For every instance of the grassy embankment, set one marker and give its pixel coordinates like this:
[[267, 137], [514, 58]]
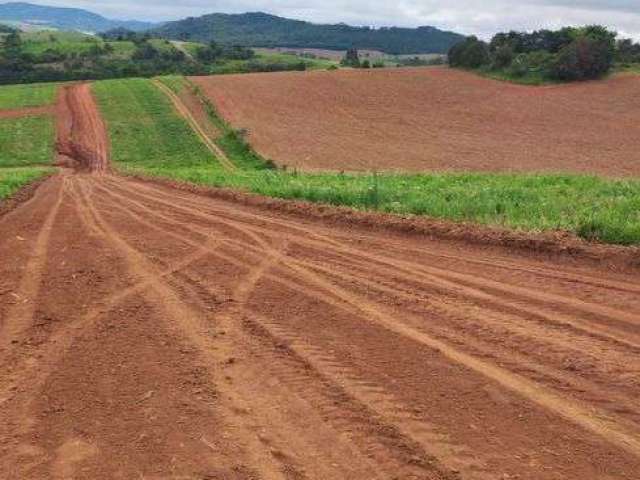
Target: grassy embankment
[[26, 144], [148, 138]]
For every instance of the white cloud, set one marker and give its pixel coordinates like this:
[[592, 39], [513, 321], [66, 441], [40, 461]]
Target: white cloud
[[480, 17]]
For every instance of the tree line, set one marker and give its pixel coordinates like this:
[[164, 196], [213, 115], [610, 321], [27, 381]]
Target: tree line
[[100, 61], [568, 54]]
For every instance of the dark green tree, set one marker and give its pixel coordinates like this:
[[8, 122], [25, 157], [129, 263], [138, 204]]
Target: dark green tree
[[351, 58]]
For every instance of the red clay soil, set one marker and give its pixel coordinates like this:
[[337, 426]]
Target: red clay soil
[[153, 333], [434, 119], [26, 112], [82, 139]]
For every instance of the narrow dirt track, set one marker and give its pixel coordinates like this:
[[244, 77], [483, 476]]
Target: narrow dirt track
[[82, 141], [151, 333]]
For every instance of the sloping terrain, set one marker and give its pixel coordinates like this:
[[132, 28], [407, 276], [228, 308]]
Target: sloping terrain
[[147, 332], [64, 18], [432, 120]]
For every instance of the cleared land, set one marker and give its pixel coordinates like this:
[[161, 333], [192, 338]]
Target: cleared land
[[432, 120], [205, 339]]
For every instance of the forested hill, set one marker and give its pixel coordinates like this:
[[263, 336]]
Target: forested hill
[[264, 30], [64, 18]]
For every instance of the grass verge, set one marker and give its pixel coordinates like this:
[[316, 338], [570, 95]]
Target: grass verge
[[590, 207], [12, 179], [20, 96], [145, 130], [26, 141]]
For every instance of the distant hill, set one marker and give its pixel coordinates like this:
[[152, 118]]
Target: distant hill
[[64, 18], [264, 30]]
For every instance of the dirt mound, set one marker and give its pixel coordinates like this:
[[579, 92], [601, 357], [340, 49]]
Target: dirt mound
[[433, 119], [82, 139]]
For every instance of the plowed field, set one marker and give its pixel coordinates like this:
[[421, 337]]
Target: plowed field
[[147, 332], [434, 119]]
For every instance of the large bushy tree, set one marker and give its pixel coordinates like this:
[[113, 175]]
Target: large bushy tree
[[471, 53]]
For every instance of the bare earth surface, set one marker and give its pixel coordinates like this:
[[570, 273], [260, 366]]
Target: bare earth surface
[[151, 333], [434, 119]]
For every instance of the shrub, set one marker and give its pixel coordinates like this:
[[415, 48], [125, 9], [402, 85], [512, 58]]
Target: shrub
[[471, 53], [503, 57], [519, 66], [583, 59]]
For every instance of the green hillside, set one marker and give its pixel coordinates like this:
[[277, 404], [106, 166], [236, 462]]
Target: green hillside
[[263, 30]]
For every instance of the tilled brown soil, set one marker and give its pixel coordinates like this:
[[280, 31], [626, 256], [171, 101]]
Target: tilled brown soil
[[434, 119], [153, 333]]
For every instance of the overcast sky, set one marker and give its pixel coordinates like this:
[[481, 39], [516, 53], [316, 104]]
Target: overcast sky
[[480, 17]]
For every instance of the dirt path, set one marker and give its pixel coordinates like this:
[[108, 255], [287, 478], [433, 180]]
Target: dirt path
[[151, 333], [82, 141]]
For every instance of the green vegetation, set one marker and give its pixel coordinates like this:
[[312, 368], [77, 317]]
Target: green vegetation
[[546, 56], [145, 130], [150, 139], [62, 56], [263, 30], [26, 141], [12, 179], [19, 96]]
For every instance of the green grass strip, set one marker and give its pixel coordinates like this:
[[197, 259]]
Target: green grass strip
[[26, 141], [20, 96], [12, 179], [145, 130]]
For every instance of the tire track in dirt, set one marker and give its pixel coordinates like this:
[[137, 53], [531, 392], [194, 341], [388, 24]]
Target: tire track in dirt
[[591, 324], [254, 297], [177, 311], [20, 316], [243, 290], [288, 373], [529, 389], [82, 140]]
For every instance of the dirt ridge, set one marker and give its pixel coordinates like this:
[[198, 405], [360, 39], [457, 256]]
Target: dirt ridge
[[558, 245]]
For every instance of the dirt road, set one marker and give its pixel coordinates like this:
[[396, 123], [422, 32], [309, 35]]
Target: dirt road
[[82, 141], [157, 334]]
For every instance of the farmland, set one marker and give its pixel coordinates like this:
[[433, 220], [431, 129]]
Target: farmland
[[20, 96], [433, 120], [26, 135], [148, 138], [162, 333]]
